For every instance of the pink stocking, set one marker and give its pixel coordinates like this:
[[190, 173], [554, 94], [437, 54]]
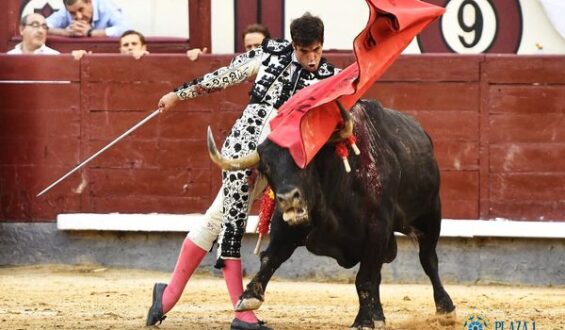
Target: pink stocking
[[190, 257], [234, 281]]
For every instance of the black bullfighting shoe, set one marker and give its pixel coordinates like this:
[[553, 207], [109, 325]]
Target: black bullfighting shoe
[[156, 311], [238, 324]]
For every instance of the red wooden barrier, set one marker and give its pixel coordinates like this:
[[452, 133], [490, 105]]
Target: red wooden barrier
[[155, 45], [496, 122], [526, 145]]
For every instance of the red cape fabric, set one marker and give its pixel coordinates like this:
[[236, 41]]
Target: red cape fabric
[[306, 121]]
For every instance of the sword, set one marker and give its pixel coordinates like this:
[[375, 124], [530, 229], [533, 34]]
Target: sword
[[136, 126]]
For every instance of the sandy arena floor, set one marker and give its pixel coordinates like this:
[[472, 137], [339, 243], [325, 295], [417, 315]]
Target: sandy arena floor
[[91, 297]]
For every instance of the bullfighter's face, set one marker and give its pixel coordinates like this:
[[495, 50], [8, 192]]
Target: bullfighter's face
[[309, 56]]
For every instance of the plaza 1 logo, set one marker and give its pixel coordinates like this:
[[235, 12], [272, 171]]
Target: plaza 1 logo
[[473, 27], [476, 322]]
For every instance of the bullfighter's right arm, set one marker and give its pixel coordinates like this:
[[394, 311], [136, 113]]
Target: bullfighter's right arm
[[241, 67]]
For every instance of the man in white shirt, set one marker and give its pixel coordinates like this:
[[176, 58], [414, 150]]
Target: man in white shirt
[[33, 30]]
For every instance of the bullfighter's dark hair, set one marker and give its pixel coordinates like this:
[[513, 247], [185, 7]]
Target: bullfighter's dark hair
[[128, 32], [256, 28], [306, 30]]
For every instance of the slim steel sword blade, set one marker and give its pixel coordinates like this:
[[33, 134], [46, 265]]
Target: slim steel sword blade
[[136, 126]]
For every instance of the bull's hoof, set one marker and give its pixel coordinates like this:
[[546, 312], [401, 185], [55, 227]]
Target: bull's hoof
[[247, 304], [377, 325], [447, 319]]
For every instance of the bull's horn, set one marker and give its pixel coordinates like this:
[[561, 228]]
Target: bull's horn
[[347, 130], [247, 161]]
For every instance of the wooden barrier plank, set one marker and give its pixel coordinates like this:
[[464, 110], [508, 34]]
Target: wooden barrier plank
[[108, 125], [153, 154], [38, 123], [520, 157], [449, 125], [46, 174], [526, 99], [62, 151], [110, 45], [121, 96], [32, 67], [118, 96], [182, 125], [460, 194], [511, 69], [456, 155], [156, 182], [524, 128], [436, 68], [148, 204], [426, 67], [460, 185], [186, 125], [151, 68], [21, 183], [540, 210], [459, 209], [449, 96], [527, 187], [40, 97]]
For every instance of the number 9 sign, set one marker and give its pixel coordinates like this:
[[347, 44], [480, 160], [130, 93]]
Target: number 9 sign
[[473, 27]]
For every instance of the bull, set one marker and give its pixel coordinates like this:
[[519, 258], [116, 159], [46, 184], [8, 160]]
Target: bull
[[394, 187]]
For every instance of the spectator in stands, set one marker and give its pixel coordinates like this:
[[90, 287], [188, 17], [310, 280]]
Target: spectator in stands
[[133, 42], [88, 18], [33, 30], [253, 36]]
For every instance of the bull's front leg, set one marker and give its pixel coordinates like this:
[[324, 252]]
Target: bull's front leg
[[284, 240], [367, 282], [370, 314]]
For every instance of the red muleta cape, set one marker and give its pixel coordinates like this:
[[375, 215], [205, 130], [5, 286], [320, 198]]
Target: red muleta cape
[[306, 121]]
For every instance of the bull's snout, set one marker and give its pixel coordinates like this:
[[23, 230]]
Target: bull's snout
[[284, 198], [293, 206]]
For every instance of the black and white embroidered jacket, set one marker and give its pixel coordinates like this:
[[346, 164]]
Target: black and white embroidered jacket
[[278, 75]]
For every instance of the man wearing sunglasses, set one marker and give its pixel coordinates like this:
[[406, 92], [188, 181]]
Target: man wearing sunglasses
[[33, 30]]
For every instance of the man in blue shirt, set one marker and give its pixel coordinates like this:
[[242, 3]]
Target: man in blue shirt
[[88, 18]]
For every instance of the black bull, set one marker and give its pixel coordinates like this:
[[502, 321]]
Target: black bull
[[351, 217]]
